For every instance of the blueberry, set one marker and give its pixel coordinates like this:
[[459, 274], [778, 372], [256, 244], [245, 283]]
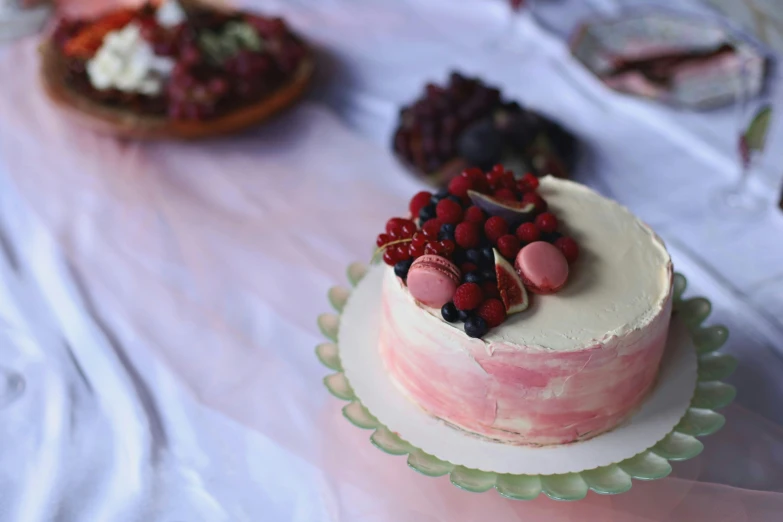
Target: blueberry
[[474, 256], [551, 237], [488, 275], [450, 312], [488, 255], [475, 326], [464, 316], [473, 277], [426, 213], [458, 256], [485, 243], [439, 195], [401, 268], [455, 198], [481, 144], [447, 231]]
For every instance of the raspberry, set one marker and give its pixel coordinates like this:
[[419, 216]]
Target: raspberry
[[528, 232], [431, 228], [472, 173], [569, 248], [467, 235], [460, 186], [492, 311], [538, 201], [468, 296], [505, 194], [546, 222], [499, 168], [475, 215], [418, 202], [527, 183], [508, 246], [495, 227], [490, 289], [449, 211], [382, 240], [468, 267]]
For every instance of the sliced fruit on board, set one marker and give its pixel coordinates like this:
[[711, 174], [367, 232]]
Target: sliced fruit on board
[[512, 290], [514, 212]]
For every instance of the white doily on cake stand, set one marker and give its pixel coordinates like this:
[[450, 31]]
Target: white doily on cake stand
[[678, 409]]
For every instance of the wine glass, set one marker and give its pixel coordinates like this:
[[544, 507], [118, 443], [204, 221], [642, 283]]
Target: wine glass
[[752, 122]]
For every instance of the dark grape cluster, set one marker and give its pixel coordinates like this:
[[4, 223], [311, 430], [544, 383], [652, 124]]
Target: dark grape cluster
[[468, 124]]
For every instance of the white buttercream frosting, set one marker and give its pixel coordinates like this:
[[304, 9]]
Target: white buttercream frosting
[[127, 62], [620, 283]]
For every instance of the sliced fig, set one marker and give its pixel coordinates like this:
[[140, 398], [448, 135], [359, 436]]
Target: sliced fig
[[512, 290], [514, 212]]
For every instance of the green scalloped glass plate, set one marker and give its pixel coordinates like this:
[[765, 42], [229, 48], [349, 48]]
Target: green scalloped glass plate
[[681, 443]]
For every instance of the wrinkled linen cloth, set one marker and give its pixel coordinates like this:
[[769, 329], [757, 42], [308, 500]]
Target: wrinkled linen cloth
[[158, 300]]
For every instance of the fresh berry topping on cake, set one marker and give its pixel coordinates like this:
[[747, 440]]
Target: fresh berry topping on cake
[[382, 240], [510, 286], [419, 201], [467, 235], [527, 183], [569, 248], [527, 233], [431, 229], [402, 267], [492, 311], [449, 312], [475, 215], [537, 201], [476, 327], [449, 211], [462, 232], [468, 267], [495, 228], [546, 222], [508, 245], [468, 296], [490, 289], [504, 194], [460, 185]]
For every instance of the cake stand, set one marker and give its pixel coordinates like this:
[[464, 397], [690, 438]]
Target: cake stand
[[679, 409]]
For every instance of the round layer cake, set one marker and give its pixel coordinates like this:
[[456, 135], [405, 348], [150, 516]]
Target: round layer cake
[[573, 365]]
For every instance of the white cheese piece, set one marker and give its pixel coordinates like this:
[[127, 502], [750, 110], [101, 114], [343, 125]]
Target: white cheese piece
[[128, 63]]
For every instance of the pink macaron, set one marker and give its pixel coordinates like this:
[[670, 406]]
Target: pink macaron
[[542, 267], [432, 280]]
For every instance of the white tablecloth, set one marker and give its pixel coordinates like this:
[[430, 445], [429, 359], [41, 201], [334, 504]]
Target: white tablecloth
[[159, 300]]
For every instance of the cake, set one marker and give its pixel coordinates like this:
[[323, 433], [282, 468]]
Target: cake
[[574, 363]]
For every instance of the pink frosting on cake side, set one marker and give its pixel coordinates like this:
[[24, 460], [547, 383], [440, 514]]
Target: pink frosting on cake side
[[517, 394]]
